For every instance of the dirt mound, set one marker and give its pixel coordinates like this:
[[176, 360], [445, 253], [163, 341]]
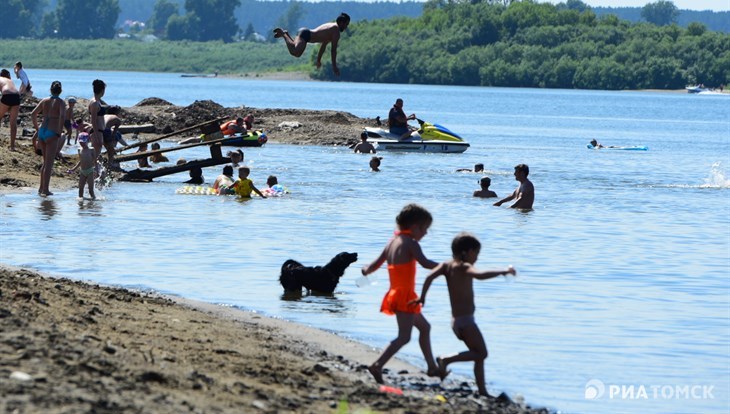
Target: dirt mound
[[153, 102]]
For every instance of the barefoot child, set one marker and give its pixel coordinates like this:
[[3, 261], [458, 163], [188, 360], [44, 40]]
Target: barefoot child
[[402, 252], [460, 274], [87, 162]]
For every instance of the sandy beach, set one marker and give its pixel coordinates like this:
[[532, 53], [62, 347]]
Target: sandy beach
[[69, 346]]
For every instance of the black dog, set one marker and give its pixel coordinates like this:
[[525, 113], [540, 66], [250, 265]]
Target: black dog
[[324, 279]]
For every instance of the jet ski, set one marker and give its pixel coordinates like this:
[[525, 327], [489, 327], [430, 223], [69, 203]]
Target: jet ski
[[428, 138]]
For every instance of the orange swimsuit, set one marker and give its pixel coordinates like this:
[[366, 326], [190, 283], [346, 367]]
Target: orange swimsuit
[[402, 288]]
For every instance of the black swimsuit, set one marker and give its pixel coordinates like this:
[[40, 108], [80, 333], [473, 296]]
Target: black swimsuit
[[11, 99], [306, 35]]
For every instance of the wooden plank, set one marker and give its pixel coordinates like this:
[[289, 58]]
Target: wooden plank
[[149, 175], [127, 129], [171, 134], [138, 155]]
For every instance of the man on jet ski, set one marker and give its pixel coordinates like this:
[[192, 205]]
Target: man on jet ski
[[398, 121]]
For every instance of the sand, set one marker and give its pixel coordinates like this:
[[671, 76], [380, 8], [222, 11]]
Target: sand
[[72, 347]]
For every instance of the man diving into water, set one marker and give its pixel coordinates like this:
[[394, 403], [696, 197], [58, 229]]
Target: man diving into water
[[324, 34]]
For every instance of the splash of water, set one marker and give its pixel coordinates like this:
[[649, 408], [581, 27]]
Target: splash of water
[[717, 178]]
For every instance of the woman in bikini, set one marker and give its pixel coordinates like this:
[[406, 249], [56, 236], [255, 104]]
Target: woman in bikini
[[97, 110], [53, 110]]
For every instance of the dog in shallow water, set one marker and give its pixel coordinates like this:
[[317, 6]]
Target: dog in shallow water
[[322, 279]]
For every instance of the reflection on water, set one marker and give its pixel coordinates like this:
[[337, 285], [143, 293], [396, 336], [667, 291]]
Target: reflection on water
[[48, 208], [88, 207], [316, 304]]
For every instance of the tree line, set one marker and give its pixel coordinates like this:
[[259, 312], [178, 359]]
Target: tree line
[[530, 44]]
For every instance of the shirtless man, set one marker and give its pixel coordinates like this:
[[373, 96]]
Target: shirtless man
[[364, 147], [324, 34], [525, 193], [10, 102]]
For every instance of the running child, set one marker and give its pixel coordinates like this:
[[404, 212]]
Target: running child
[[86, 167], [402, 252], [460, 274], [244, 185]]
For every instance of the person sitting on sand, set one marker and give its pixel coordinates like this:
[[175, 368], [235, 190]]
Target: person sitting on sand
[[196, 176], [224, 181], [233, 127], [324, 34], [364, 147], [524, 194], [375, 164], [485, 192], [86, 167], [477, 168], [9, 103], [158, 157], [460, 274], [244, 185]]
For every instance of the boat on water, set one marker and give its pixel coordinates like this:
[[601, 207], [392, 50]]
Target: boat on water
[[695, 88], [428, 138], [249, 139]]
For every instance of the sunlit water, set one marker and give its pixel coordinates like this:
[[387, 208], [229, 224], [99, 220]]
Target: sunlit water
[[623, 263]]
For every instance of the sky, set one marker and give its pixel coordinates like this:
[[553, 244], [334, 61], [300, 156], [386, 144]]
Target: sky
[[716, 5]]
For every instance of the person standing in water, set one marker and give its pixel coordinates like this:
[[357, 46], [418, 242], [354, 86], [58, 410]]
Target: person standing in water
[[53, 110], [324, 34]]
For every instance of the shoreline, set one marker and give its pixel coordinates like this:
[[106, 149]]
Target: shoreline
[[78, 346]]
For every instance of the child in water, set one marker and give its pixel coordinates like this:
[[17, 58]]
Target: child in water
[[485, 192], [375, 164], [244, 185], [460, 274], [402, 252], [87, 164], [224, 181]]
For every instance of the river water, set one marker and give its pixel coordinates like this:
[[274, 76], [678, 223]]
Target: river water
[[622, 302]]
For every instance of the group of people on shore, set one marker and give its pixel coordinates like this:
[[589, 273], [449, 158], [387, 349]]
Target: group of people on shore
[[55, 121]]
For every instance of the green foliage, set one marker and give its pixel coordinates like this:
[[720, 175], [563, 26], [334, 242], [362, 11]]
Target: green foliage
[[161, 56], [660, 13], [529, 44], [18, 17], [98, 19], [162, 12], [213, 19]]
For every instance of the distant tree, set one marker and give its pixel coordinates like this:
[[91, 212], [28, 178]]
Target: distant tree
[[696, 29], [183, 27], [160, 14], [660, 13], [99, 18], [18, 20], [576, 5], [249, 32], [217, 20]]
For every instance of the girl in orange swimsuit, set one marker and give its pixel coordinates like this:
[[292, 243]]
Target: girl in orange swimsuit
[[402, 252]]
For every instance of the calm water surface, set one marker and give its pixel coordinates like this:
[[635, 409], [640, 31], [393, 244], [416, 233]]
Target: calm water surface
[[623, 264]]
